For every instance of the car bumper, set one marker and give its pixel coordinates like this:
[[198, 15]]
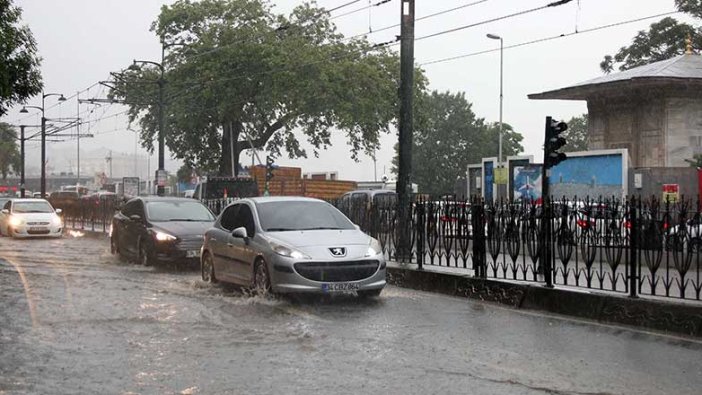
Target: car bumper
[[189, 253], [25, 232], [287, 275]]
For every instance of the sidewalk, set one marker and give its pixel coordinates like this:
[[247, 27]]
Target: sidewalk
[[669, 315]]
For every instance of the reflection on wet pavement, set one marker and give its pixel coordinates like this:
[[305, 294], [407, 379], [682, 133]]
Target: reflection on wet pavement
[[75, 319]]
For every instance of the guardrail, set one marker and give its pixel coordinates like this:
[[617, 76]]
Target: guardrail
[[95, 215], [634, 247]]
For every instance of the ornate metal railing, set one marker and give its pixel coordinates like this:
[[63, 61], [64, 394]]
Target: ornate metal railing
[[90, 214], [632, 246]]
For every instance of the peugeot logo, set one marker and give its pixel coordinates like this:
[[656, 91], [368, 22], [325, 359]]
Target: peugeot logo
[[338, 251]]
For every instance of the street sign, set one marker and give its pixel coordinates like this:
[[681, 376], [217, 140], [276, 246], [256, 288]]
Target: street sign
[[130, 186], [671, 193]]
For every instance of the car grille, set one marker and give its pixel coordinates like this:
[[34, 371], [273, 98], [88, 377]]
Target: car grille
[[37, 223], [191, 243], [337, 271], [38, 232]]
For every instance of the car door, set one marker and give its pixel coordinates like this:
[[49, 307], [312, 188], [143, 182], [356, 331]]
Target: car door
[[4, 218], [218, 242], [240, 251]]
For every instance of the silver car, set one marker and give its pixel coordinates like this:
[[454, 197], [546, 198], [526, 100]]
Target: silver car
[[289, 245]]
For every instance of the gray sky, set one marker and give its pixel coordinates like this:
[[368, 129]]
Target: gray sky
[[81, 41]]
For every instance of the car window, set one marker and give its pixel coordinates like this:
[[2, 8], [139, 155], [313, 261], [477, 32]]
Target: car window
[[7, 205], [177, 210], [300, 215], [229, 217], [40, 206], [244, 217]]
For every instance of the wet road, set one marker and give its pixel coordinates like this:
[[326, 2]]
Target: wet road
[[74, 319]]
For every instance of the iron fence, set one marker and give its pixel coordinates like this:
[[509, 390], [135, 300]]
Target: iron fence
[[632, 246], [90, 214]]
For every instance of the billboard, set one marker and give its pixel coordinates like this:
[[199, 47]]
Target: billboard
[[489, 179], [526, 182], [591, 173], [130, 186]]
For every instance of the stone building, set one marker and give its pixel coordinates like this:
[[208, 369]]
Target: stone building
[[653, 111]]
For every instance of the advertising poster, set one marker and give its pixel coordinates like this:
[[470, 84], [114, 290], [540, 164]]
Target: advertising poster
[[131, 186], [527, 182], [489, 179]]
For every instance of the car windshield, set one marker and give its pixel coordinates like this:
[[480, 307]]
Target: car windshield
[[300, 215], [178, 211], [32, 207]]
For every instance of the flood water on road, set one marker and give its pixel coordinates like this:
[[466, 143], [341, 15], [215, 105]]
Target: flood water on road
[[75, 319]]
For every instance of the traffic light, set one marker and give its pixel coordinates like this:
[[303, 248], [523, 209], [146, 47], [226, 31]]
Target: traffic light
[[269, 168], [554, 142]]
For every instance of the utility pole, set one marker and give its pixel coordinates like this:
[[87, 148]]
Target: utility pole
[[109, 159], [404, 179], [78, 139], [22, 159]]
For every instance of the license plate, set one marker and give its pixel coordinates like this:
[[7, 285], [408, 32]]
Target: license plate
[[340, 287], [192, 254], [37, 229]]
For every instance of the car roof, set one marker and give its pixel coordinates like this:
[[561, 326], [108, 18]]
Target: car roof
[[18, 200], [373, 192], [269, 199], [164, 199]]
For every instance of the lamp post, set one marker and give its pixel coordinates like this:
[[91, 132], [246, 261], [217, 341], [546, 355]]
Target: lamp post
[[496, 37], [43, 135], [160, 173]]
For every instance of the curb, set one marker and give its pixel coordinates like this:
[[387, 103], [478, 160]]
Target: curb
[[679, 318]]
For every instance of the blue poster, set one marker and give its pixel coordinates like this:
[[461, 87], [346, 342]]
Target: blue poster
[[489, 179], [527, 182]]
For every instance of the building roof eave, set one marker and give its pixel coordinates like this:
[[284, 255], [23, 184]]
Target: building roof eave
[[616, 88]]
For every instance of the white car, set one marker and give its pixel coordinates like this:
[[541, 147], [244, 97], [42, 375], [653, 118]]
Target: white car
[[30, 218]]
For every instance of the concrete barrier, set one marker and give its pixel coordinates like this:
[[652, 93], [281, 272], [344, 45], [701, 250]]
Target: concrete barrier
[[684, 317]]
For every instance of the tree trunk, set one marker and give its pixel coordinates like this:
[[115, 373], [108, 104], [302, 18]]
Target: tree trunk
[[229, 158]]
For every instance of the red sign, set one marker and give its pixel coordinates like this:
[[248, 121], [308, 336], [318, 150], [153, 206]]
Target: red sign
[[670, 188], [4, 188]]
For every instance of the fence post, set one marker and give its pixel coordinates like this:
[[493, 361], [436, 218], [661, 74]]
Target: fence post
[[479, 251], [546, 237], [420, 228], [633, 245]]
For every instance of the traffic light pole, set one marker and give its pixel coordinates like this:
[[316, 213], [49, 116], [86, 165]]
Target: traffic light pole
[[22, 159], [546, 250]]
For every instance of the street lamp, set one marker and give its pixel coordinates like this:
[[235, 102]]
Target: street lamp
[[496, 37], [160, 173], [43, 135]]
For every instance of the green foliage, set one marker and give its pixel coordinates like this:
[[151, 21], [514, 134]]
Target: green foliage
[[20, 77], [696, 161], [249, 77], [10, 160], [448, 137], [185, 174], [576, 135], [664, 39]]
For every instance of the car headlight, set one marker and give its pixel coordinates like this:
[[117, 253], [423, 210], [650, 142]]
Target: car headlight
[[57, 221], [16, 221], [161, 236], [286, 251], [374, 248]]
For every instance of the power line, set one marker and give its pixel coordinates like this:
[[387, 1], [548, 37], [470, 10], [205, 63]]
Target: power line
[[547, 38], [421, 18], [381, 2], [553, 4]]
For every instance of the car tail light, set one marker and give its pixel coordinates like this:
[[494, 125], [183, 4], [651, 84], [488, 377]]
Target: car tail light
[[665, 226], [627, 224], [582, 223]]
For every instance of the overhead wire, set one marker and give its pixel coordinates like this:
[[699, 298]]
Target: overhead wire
[[550, 38]]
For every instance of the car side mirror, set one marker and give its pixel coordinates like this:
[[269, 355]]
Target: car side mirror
[[135, 217], [5, 211], [59, 211], [240, 233], [357, 227]]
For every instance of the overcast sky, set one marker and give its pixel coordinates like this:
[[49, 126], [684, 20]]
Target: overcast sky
[[81, 41]]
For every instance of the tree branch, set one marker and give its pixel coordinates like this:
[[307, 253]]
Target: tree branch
[[267, 133]]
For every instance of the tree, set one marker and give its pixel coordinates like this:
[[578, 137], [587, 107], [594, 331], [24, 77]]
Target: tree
[[448, 137], [696, 161], [185, 174], [10, 160], [665, 39], [20, 77], [576, 135], [251, 78]]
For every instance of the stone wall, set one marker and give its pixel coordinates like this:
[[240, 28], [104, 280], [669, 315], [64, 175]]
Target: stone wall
[[683, 130], [653, 179]]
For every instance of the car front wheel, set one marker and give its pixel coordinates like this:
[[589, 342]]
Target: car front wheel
[[208, 270], [144, 257], [262, 281]]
